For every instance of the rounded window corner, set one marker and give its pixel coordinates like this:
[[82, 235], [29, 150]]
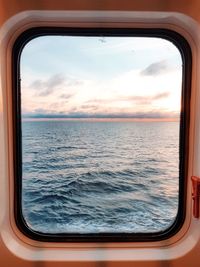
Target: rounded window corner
[[185, 51]]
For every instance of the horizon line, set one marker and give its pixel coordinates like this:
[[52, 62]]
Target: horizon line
[[24, 119]]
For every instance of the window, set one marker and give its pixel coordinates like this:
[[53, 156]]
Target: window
[[101, 133]]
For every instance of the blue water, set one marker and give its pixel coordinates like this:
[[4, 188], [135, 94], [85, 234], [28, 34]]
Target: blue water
[[88, 177]]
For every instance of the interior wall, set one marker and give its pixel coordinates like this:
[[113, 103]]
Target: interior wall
[[11, 7]]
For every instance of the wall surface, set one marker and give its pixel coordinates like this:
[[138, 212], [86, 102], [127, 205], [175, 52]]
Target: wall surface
[[187, 7], [19, 251]]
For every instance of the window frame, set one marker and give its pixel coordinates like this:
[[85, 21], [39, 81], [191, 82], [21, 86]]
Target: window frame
[[182, 45]]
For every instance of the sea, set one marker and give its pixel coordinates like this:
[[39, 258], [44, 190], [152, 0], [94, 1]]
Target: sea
[[90, 176]]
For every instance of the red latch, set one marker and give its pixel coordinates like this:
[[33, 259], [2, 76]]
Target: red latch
[[196, 195]]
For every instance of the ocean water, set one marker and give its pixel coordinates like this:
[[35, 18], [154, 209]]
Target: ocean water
[[92, 176]]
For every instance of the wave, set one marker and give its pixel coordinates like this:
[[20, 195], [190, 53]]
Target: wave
[[107, 178]]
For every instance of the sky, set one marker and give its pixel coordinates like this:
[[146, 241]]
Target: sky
[[100, 77]]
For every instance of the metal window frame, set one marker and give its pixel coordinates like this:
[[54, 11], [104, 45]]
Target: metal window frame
[[186, 54]]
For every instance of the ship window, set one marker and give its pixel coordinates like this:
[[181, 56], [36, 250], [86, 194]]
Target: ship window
[[101, 118]]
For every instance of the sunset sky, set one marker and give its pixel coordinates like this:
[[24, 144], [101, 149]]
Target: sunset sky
[[104, 77]]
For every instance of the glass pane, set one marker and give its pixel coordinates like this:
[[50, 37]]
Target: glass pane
[[100, 134]]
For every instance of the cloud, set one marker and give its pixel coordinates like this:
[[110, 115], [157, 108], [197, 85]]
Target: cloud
[[139, 100], [88, 106], [37, 84], [40, 111], [144, 100], [157, 68], [161, 96], [66, 96], [48, 86]]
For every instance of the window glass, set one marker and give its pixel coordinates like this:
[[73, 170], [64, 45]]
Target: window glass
[[100, 134]]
